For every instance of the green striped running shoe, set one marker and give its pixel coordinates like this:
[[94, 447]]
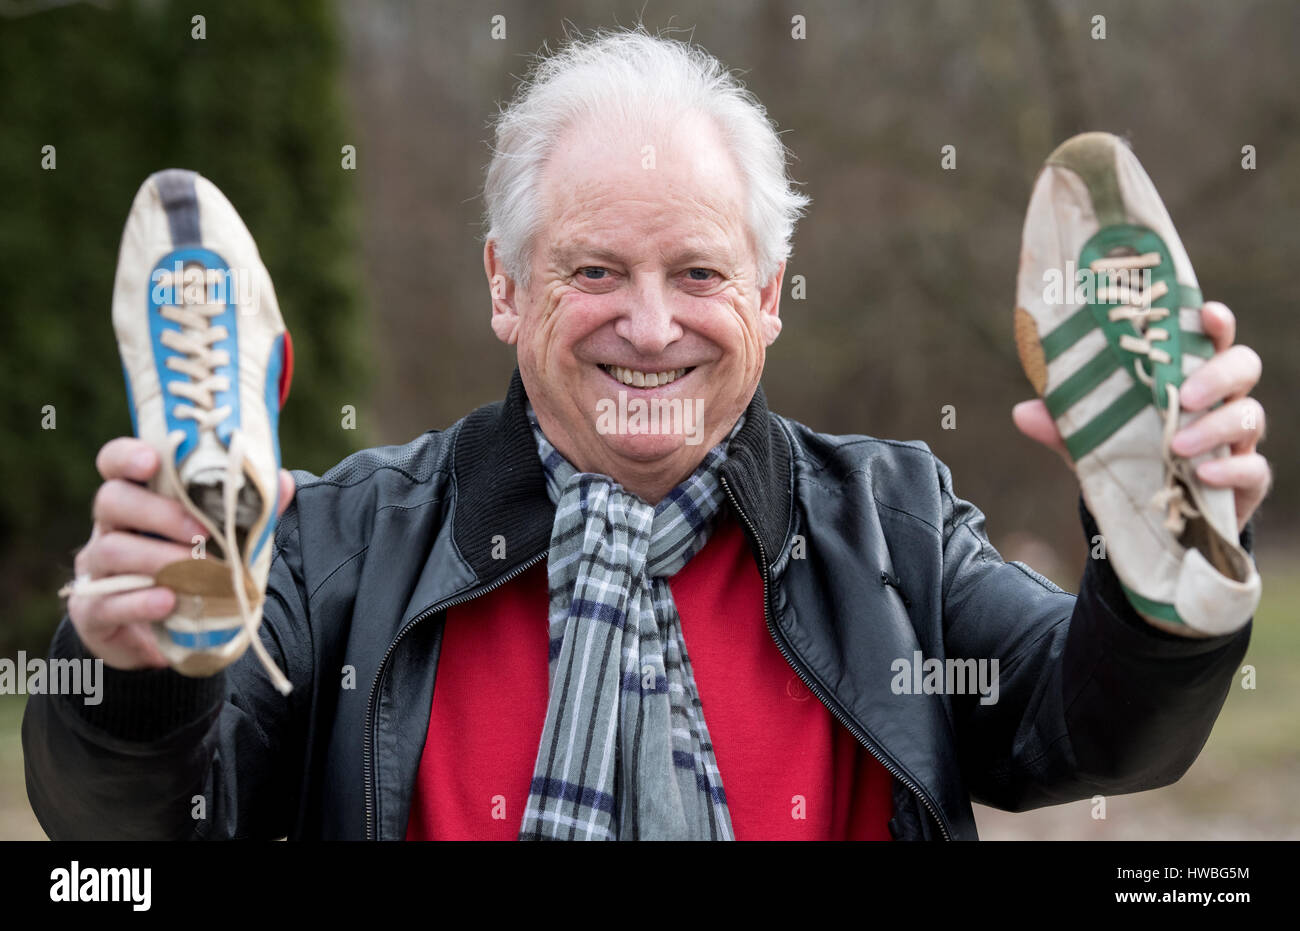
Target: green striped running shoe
[[1108, 325]]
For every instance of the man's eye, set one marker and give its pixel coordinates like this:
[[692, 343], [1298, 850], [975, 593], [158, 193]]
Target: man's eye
[[593, 272], [701, 274]]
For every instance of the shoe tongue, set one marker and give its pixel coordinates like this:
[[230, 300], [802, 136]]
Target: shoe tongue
[[210, 498], [204, 474], [207, 462]]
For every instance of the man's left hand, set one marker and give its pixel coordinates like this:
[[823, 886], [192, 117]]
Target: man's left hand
[[1228, 376]]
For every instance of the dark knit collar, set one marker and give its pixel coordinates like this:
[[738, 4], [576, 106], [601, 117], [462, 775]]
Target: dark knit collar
[[501, 488]]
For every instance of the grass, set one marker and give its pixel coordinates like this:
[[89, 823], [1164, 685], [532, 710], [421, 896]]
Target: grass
[[1245, 784], [16, 819]]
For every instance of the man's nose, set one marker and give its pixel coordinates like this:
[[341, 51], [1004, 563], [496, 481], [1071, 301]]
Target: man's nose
[[649, 323]]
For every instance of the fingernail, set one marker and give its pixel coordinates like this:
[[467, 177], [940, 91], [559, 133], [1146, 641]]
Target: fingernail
[[194, 528], [143, 460]]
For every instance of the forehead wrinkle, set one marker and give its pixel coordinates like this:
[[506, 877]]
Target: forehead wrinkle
[[716, 233], [616, 210]]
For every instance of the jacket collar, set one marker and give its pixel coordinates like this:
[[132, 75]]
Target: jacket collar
[[501, 489]]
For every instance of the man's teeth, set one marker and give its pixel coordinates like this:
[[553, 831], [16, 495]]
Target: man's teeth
[[637, 379]]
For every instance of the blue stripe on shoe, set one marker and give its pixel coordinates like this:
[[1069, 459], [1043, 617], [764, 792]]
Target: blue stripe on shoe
[[205, 640], [160, 296]]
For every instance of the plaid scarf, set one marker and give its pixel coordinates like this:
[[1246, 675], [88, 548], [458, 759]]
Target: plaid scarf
[[625, 754]]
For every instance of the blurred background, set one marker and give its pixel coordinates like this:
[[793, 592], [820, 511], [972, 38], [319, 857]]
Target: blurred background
[[909, 268]]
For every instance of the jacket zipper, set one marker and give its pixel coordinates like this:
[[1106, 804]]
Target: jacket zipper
[[469, 595], [862, 736], [858, 733]]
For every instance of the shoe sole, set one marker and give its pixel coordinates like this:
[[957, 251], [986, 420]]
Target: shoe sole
[[1070, 349]]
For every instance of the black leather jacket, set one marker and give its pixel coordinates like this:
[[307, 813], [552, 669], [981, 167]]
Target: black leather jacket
[[866, 554]]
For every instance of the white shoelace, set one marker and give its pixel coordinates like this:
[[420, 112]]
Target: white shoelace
[[195, 340], [1136, 307]]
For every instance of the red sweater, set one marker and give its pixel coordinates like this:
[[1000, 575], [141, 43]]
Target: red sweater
[[790, 770]]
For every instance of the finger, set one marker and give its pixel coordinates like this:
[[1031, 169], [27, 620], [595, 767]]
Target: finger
[[148, 605], [123, 553], [138, 641], [1232, 373], [1238, 424], [1220, 324], [122, 505], [1249, 471], [1249, 476], [127, 457], [287, 488], [1034, 421]]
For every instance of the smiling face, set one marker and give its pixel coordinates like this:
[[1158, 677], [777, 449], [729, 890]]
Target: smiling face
[[643, 281]]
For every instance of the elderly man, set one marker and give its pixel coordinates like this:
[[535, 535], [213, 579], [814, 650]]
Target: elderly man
[[486, 631]]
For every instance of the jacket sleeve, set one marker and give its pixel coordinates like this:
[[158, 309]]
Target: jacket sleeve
[[166, 757], [1092, 699]]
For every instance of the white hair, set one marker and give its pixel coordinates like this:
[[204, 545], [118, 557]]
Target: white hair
[[632, 75]]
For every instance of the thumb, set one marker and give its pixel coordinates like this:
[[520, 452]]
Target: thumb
[[287, 487], [1034, 421]]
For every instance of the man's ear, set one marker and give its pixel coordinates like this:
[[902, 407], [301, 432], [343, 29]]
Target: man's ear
[[505, 315], [769, 306]]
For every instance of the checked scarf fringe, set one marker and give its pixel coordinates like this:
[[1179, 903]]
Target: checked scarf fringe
[[624, 754]]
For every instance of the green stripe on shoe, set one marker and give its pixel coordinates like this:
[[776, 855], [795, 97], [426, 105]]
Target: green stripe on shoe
[[1190, 297], [1157, 609], [1077, 325], [1067, 333], [1197, 344], [1117, 413], [1082, 382]]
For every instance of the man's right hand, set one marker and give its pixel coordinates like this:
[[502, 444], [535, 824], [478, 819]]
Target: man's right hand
[[116, 627]]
